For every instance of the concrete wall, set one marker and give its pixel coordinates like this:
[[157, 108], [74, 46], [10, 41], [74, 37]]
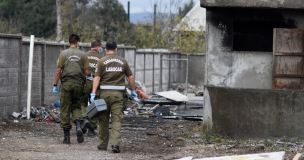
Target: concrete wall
[[292, 4], [10, 73], [242, 69], [254, 113]]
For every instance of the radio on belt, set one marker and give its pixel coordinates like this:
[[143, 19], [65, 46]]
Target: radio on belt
[[96, 108]]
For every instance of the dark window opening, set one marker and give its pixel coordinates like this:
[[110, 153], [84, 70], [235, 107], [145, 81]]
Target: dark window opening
[[254, 35]]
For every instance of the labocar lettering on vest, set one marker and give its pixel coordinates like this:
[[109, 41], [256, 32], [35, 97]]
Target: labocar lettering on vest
[[93, 57], [114, 69], [93, 65], [113, 60], [74, 58]]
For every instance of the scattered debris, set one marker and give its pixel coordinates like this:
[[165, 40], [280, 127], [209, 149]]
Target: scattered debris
[[298, 156], [39, 114], [53, 115], [193, 118], [199, 92], [140, 93], [16, 115]]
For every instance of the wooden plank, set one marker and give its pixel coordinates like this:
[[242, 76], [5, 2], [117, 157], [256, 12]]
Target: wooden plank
[[288, 59], [289, 75], [57, 120], [288, 83], [298, 156], [273, 57], [288, 65], [289, 41], [288, 54]]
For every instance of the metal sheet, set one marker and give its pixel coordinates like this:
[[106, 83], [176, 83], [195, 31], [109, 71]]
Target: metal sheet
[[173, 95]]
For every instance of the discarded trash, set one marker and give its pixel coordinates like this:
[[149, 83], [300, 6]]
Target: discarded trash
[[38, 114], [298, 156], [49, 118], [162, 110], [199, 107], [58, 104], [140, 93], [193, 118], [15, 115]]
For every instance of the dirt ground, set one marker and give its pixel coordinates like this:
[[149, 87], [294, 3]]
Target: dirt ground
[[142, 138]]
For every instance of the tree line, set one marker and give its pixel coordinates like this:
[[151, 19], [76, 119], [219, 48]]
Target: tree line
[[102, 19]]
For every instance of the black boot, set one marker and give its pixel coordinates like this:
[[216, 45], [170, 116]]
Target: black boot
[[66, 139], [79, 133], [102, 149], [115, 149], [85, 124], [92, 132]]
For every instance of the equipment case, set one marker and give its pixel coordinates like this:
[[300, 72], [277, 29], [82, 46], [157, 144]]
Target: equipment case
[[96, 108]]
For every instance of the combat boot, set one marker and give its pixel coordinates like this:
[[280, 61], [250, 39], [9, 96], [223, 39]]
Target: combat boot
[[85, 124], [92, 132], [66, 139], [79, 133], [115, 149]]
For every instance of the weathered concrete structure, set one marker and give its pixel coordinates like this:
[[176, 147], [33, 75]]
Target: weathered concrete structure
[[239, 54], [254, 113], [239, 42]]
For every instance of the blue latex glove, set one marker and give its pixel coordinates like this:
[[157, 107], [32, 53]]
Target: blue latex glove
[[55, 89], [133, 94], [100, 52], [92, 97]]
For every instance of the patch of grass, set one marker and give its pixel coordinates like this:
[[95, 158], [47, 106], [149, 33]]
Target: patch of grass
[[207, 134], [285, 146], [268, 143]]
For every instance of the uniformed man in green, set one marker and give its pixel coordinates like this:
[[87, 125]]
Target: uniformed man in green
[[72, 66], [109, 84], [94, 55]]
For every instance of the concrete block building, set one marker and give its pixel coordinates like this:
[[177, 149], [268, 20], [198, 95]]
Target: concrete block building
[[254, 47]]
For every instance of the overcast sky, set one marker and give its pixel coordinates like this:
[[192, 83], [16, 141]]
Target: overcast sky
[[137, 6]]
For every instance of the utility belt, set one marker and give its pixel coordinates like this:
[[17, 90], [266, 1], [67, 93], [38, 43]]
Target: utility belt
[[107, 87], [68, 79]]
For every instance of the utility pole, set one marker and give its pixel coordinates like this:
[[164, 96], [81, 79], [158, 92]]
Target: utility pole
[[128, 11], [154, 17], [59, 21]]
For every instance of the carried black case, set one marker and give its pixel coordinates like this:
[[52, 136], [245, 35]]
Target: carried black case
[[96, 108]]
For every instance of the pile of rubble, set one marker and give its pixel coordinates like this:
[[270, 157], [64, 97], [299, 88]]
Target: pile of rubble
[[39, 114]]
